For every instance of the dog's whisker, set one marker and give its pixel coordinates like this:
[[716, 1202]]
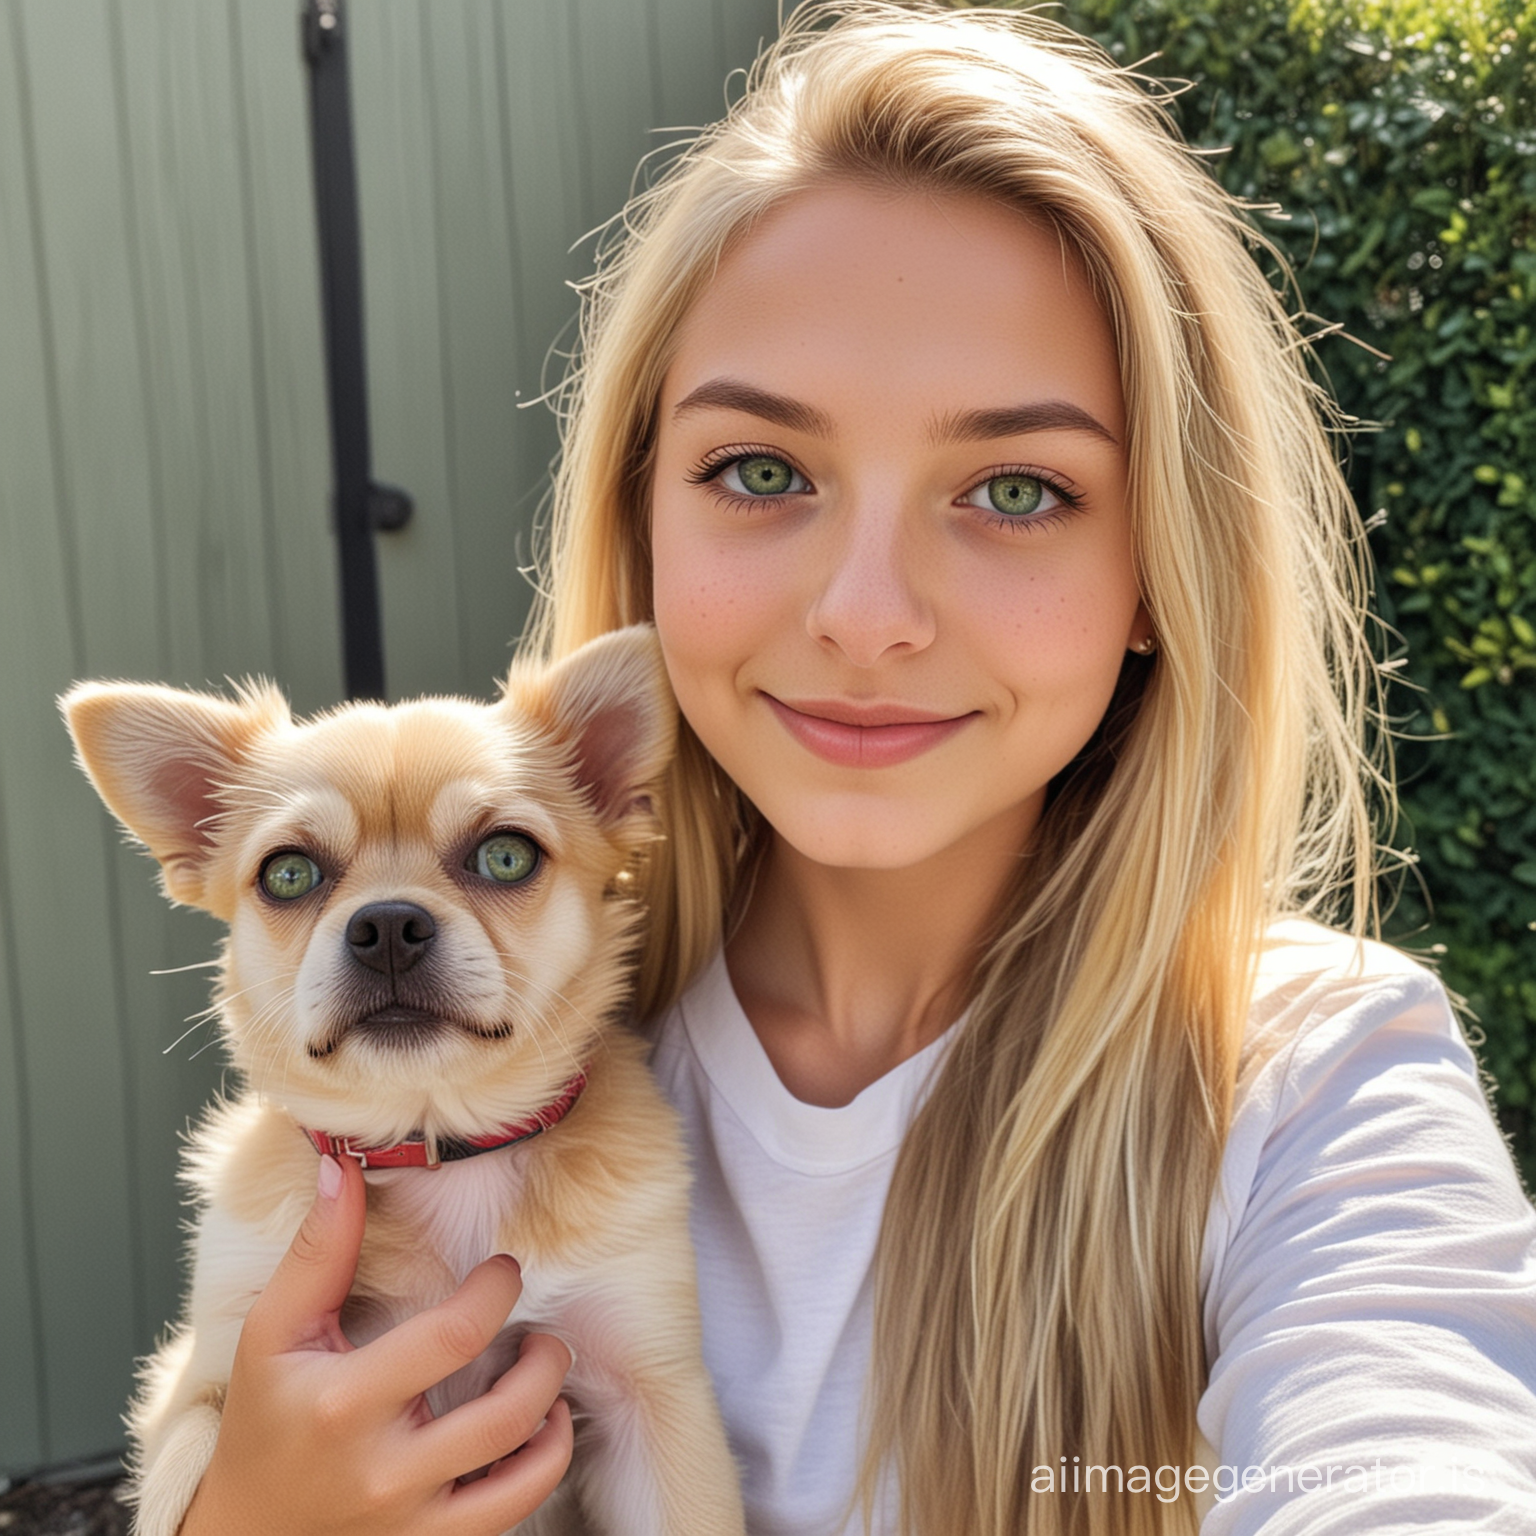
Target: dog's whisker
[[268, 1010], [287, 975], [535, 1027], [264, 1018], [196, 965], [215, 1010], [222, 1002], [511, 974], [206, 1018], [535, 1023], [523, 1014], [266, 1021]]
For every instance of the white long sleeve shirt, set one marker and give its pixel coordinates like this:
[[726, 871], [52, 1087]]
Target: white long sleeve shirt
[[1368, 1274]]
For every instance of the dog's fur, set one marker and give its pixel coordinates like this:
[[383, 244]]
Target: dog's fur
[[524, 981]]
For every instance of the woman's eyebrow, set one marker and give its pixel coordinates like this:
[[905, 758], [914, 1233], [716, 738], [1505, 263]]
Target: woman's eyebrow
[[1016, 420], [733, 395], [958, 426]]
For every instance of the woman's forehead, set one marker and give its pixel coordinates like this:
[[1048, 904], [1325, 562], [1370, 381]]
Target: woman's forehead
[[943, 304]]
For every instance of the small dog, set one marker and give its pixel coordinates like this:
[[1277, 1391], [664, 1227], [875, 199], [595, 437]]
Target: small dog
[[428, 944]]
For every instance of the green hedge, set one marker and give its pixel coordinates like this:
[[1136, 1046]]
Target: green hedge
[[1396, 143]]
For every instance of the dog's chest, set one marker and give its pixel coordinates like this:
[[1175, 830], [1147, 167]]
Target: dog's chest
[[427, 1230], [456, 1212]]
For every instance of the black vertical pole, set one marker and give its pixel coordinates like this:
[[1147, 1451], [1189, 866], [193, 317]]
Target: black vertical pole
[[325, 48]]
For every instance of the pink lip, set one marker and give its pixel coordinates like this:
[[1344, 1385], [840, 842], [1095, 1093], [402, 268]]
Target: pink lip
[[863, 736]]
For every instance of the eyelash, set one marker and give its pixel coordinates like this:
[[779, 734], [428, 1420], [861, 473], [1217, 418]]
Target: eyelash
[[1064, 491], [713, 465]]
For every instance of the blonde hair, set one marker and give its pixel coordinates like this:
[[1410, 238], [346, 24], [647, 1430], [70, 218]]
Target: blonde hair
[[1048, 1205]]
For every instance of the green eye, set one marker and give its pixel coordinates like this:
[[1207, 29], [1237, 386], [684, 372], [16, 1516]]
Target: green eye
[[763, 476], [286, 876], [1015, 495], [506, 858]]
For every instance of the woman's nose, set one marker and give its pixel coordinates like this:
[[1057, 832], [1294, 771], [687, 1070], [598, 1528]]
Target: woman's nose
[[871, 600]]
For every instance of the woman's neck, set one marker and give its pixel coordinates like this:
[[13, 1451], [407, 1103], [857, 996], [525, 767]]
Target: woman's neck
[[845, 973]]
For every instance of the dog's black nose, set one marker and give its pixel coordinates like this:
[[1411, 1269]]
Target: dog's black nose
[[390, 936]]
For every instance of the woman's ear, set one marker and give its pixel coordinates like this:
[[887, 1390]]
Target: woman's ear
[[159, 756], [611, 703]]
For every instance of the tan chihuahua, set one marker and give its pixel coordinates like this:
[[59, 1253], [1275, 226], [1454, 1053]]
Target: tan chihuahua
[[428, 951]]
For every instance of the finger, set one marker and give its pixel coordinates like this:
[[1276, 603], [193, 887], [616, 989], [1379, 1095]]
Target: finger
[[307, 1289], [518, 1483], [495, 1424], [421, 1351]]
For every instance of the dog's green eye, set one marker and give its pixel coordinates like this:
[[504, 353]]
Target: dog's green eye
[[289, 875], [506, 858]]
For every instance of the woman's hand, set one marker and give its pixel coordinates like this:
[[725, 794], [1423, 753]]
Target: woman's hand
[[321, 1437]]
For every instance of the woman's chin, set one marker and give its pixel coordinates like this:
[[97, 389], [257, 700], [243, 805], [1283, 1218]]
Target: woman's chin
[[854, 833]]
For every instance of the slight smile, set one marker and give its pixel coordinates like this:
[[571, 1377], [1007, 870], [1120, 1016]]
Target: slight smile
[[864, 736]]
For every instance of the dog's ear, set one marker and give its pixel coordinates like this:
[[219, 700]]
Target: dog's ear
[[611, 703], [158, 757]]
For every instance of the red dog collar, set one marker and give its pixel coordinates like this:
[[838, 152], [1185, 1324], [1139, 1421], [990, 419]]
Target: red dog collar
[[431, 1151]]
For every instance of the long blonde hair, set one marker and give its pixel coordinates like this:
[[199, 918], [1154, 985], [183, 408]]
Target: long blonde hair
[[1048, 1205]]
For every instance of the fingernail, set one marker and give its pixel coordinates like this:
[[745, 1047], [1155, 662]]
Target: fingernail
[[508, 1257], [570, 1348], [330, 1177]]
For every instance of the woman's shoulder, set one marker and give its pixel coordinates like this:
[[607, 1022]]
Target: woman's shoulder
[[1339, 1021], [1354, 1073], [1319, 993]]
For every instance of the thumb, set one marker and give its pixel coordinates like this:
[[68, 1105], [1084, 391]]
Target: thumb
[[301, 1301]]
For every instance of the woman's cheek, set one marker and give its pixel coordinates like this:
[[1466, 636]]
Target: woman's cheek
[[1054, 627], [713, 609]]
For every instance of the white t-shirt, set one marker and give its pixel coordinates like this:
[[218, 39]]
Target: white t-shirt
[[1369, 1268]]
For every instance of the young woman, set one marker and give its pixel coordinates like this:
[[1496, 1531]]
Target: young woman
[[935, 410]]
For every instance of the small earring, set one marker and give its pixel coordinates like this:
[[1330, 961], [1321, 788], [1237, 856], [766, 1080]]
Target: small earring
[[1145, 647]]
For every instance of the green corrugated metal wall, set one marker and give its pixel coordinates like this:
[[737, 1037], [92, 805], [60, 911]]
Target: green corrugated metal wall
[[163, 488]]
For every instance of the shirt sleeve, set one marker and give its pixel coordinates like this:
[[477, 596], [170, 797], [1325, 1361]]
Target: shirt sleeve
[[1371, 1309]]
